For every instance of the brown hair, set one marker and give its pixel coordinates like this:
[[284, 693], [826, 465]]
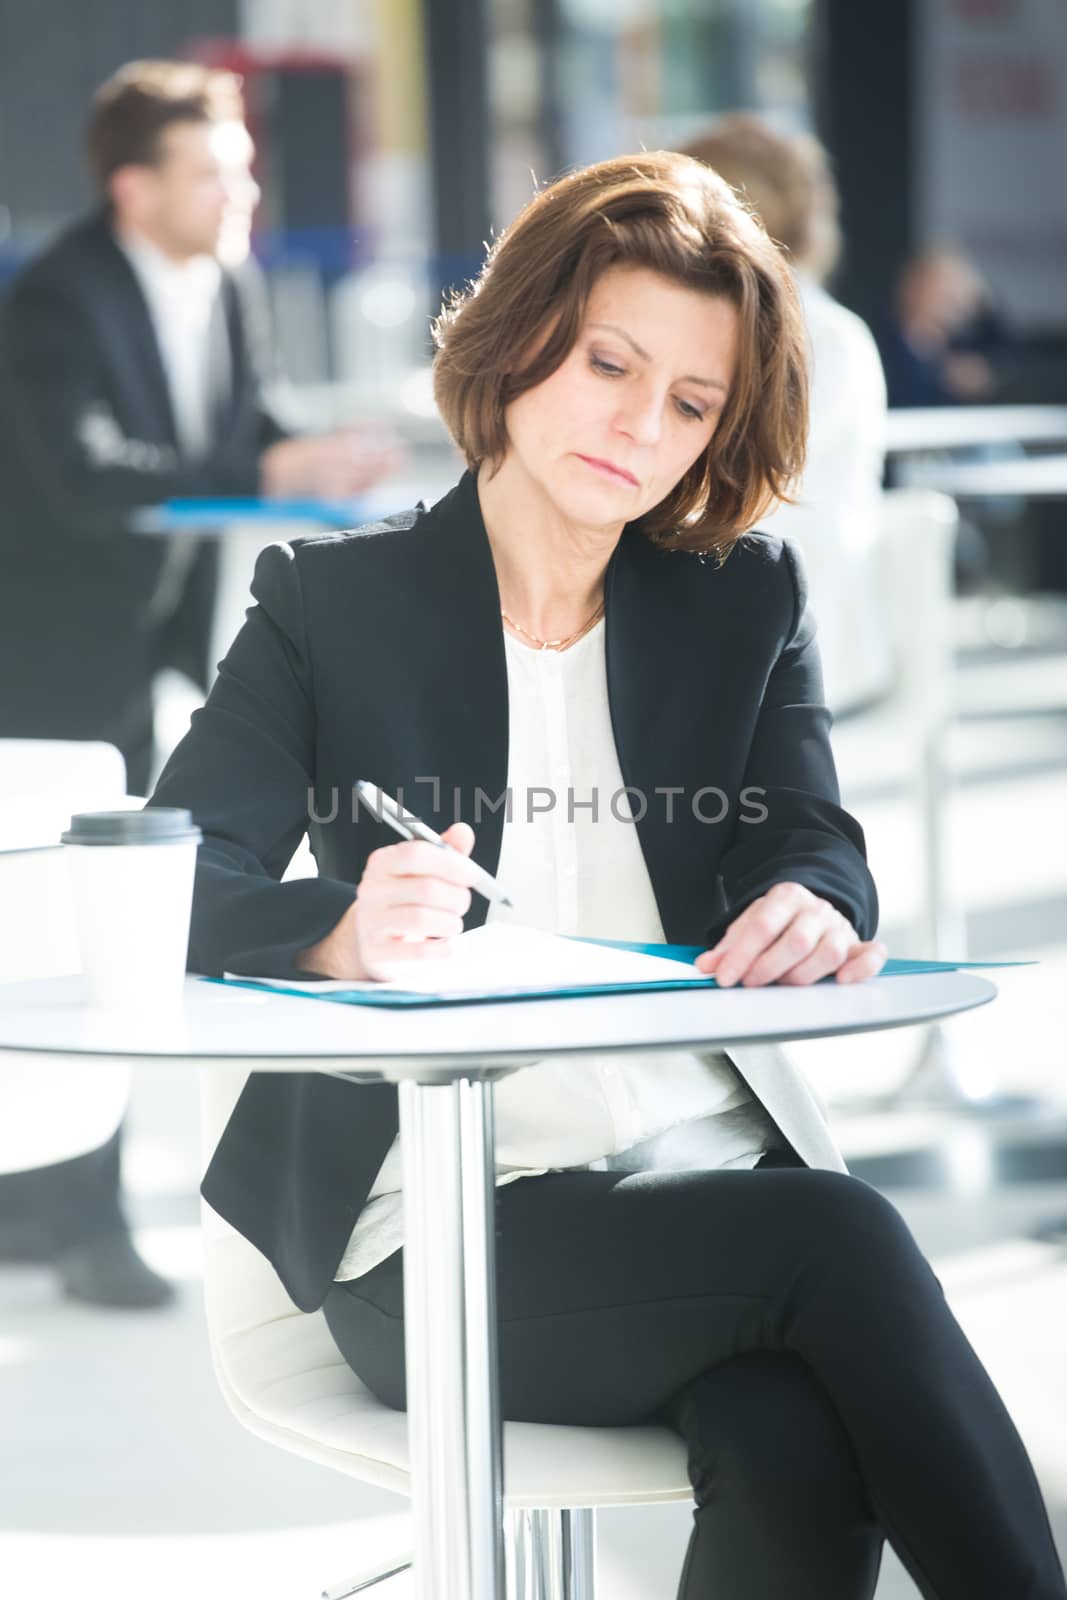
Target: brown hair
[[135, 107], [672, 215], [785, 178]]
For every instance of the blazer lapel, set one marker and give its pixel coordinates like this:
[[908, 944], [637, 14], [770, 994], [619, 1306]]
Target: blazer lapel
[[132, 339], [668, 650], [470, 732], [443, 748], [662, 742]]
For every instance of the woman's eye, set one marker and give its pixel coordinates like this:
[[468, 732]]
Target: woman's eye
[[609, 369]]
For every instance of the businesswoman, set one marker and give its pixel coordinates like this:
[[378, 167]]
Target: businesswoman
[[584, 666]]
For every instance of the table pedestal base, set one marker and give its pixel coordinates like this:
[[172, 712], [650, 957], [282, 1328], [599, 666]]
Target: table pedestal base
[[552, 1555], [454, 1431]]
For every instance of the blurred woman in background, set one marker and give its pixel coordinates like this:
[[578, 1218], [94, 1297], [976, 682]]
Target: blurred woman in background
[[787, 181]]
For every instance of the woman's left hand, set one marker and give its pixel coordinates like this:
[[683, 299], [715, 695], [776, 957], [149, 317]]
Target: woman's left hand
[[790, 935]]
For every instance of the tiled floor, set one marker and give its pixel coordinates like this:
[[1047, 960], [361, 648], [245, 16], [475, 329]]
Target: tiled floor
[[123, 1475]]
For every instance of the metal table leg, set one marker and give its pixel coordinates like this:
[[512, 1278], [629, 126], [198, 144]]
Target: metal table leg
[[454, 1430], [553, 1554]]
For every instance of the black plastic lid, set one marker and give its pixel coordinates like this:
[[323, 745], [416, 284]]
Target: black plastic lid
[[153, 825]]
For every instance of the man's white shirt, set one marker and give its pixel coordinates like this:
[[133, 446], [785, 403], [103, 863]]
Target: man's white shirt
[[182, 299]]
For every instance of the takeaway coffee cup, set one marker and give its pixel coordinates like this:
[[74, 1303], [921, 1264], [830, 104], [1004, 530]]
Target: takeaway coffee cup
[[131, 874]]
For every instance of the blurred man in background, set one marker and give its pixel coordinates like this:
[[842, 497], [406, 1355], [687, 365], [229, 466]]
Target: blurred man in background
[[130, 373], [131, 359]]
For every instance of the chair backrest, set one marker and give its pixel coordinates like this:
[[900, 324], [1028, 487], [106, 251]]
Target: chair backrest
[[51, 1108], [42, 783], [900, 742], [916, 537], [34, 767]]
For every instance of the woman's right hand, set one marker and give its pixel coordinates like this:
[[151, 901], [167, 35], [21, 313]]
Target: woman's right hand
[[409, 906]]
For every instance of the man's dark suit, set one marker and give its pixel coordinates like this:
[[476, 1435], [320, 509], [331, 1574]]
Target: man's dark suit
[[380, 655], [87, 435]]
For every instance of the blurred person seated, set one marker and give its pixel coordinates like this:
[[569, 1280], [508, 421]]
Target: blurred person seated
[[937, 345], [786, 180], [943, 346], [130, 361], [71, 1216], [131, 358]]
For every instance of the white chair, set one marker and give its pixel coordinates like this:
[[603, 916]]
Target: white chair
[[903, 739], [43, 781], [284, 1379], [50, 1107]]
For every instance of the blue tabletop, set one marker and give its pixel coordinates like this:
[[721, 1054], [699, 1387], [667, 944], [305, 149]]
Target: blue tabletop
[[204, 515]]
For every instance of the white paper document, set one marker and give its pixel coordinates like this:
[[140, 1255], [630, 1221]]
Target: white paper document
[[507, 956]]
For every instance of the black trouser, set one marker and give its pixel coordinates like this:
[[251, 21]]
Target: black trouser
[[786, 1323], [70, 1202]]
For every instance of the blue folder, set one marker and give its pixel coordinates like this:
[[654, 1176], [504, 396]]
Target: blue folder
[[404, 999], [200, 513]]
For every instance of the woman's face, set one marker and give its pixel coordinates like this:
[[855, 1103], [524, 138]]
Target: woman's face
[[624, 417]]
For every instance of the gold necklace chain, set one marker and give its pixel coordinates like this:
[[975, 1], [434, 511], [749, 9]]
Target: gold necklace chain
[[554, 644]]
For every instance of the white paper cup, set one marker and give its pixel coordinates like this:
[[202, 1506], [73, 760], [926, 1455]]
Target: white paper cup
[[132, 880]]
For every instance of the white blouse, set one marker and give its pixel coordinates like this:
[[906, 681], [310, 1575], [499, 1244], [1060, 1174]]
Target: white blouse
[[182, 301], [572, 863]]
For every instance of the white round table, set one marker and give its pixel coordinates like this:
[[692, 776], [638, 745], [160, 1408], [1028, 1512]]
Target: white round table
[[437, 1044], [445, 1060]]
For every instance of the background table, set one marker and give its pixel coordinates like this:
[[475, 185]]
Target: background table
[[1036, 477], [244, 527], [920, 428], [445, 1061]]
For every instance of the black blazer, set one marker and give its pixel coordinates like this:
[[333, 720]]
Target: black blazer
[[87, 435], [380, 654]]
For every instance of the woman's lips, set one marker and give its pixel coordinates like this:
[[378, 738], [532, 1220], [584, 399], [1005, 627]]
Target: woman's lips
[[619, 474]]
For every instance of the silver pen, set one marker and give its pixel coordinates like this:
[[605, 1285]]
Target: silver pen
[[388, 810]]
